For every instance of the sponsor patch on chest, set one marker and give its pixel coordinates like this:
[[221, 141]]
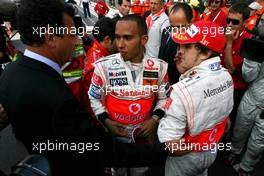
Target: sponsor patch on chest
[[150, 74], [117, 73], [118, 81]]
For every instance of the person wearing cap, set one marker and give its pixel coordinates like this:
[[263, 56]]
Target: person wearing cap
[[199, 104], [250, 115], [254, 17], [260, 29], [260, 12], [231, 58]]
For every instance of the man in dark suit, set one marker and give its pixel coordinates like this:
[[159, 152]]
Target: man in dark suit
[[44, 113], [180, 16], [123, 9]]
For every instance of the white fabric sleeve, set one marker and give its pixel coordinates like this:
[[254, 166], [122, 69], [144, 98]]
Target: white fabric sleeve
[[96, 92], [173, 125], [250, 70], [164, 88], [165, 24]]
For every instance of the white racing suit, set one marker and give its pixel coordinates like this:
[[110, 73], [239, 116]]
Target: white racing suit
[[197, 111], [248, 120], [128, 97]]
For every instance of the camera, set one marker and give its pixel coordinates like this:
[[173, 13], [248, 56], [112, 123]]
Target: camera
[[251, 50], [32, 165]]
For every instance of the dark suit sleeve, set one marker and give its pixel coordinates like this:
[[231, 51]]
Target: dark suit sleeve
[[2, 41], [163, 42], [74, 125]]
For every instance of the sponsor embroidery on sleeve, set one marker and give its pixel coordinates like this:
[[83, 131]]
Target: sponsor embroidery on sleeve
[[95, 92], [168, 103], [97, 80]]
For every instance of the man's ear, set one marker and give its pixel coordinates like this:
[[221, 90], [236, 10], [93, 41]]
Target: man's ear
[[107, 39], [50, 40], [107, 42], [144, 39], [207, 55]]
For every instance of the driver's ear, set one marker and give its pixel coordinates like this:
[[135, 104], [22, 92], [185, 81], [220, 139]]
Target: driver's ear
[[207, 55], [144, 39]]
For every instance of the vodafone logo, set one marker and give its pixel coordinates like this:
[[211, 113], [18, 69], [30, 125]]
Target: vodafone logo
[[134, 108], [150, 62], [116, 62]]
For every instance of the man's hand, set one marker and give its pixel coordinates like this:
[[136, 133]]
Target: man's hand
[[231, 35], [228, 125], [148, 128], [117, 129], [178, 147]]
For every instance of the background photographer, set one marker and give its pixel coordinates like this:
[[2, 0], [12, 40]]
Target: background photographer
[[260, 28], [249, 120]]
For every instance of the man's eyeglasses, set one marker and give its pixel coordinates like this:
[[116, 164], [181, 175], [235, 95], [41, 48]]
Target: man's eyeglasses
[[215, 2], [233, 21]]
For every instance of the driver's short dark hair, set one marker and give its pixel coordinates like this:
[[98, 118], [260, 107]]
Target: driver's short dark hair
[[143, 29], [104, 27], [34, 14]]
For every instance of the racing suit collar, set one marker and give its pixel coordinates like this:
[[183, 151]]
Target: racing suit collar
[[143, 60], [209, 65]]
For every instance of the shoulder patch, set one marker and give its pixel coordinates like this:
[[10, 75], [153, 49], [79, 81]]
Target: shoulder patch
[[105, 59], [191, 80]]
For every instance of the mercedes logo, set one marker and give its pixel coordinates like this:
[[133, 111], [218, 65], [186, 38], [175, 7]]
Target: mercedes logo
[[116, 62]]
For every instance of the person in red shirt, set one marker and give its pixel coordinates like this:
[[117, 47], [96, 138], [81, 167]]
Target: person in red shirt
[[101, 9], [72, 70], [136, 7], [232, 59], [261, 11], [251, 22], [145, 7], [103, 45], [215, 14]]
